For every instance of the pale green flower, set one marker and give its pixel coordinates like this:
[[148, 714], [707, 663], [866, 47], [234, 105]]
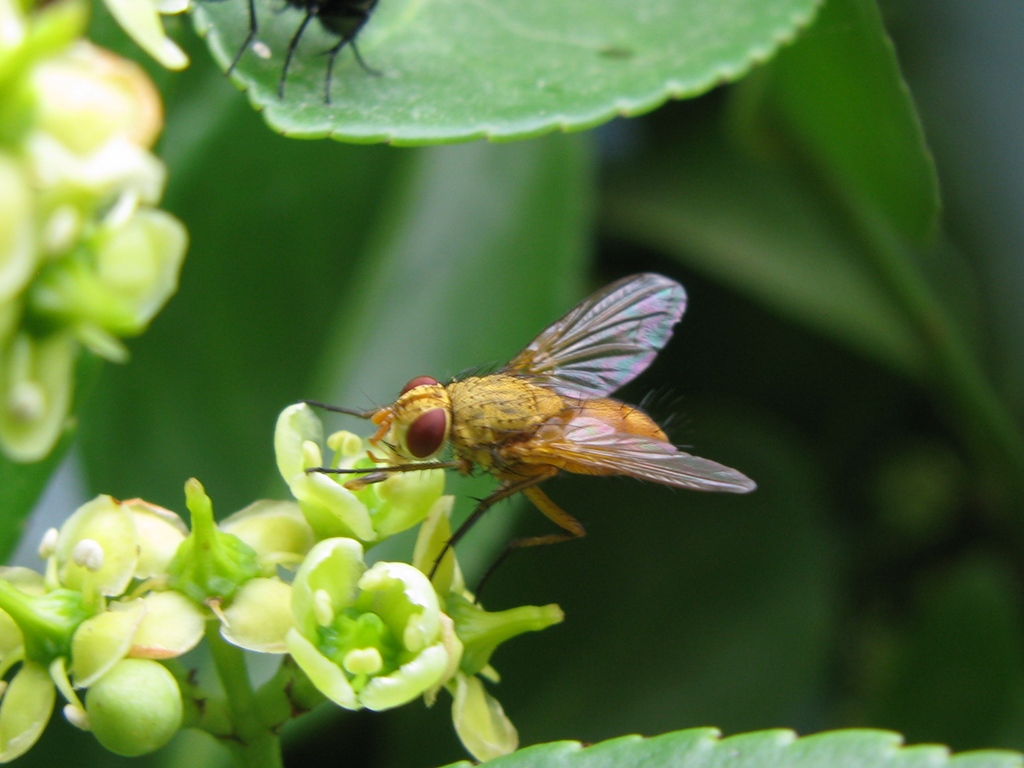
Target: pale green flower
[[480, 722], [365, 637], [136, 540], [85, 258], [369, 514], [141, 20], [35, 393]]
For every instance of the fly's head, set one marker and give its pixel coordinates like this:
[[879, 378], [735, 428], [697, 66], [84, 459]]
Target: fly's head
[[417, 425]]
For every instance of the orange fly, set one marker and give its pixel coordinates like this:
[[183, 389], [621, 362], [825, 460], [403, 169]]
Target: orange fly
[[548, 411]]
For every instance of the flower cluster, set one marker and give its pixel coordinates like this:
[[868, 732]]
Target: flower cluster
[[127, 589], [85, 257], [93, 620]]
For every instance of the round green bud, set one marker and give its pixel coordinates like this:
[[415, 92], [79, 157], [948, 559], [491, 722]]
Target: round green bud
[[135, 708]]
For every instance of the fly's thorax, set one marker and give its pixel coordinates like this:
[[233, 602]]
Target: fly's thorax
[[420, 421], [491, 410]]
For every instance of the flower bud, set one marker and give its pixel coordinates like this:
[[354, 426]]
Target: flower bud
[[135, 708], [209, 563], [87, 95]]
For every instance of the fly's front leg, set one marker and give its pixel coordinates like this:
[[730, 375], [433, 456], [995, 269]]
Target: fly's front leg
[[373, 475]]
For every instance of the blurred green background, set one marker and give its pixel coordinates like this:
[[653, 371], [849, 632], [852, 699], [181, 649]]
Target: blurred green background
[[850, 345]]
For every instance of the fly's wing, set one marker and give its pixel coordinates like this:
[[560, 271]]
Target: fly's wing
[[605, 341], [589, 443]]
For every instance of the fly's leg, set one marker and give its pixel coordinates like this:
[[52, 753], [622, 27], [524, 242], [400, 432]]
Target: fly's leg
[[248, 38], [504, 492], [292, 45], [572, 527], [373, 475]]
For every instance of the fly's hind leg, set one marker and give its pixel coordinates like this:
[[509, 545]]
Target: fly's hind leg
[[572, 527], [504, 492]]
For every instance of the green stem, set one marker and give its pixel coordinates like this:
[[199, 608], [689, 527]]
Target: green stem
[[988, 428], [255, 744]]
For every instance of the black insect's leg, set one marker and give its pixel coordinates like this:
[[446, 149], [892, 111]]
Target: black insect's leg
[[248, 38], [572, 527], [362, 62], [332, 54], [292, 45]]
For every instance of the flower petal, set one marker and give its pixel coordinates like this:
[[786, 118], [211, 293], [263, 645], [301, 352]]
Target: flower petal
[[406, 601], [139, 18], [25, 710], [260, 616], [272, 528], [407, 682], [103, 640], [483, 728], [172, 625], [159, 531], [296, 425], [109, 523], [322, 672], [332, 567]]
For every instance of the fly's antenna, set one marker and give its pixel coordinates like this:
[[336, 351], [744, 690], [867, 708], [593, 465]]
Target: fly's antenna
[[338, 409]]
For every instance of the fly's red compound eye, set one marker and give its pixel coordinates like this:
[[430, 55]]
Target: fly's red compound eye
[[419, 381], [426, 434]]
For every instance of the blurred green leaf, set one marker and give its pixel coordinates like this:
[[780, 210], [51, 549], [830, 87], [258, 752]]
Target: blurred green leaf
[[275, 227], [20, 488], [454, 71], [716, 607], [766, 233], [837, 98], [704, 748], [954, 668]]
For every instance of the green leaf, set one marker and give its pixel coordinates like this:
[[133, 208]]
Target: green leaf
[[839, 99], [455, 71], [703, 748], [765, 232], [952, 669]]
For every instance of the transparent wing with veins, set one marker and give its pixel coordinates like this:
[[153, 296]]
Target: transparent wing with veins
[[605, 341], [588, 443]]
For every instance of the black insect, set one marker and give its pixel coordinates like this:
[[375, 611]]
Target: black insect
[[343, 18]]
